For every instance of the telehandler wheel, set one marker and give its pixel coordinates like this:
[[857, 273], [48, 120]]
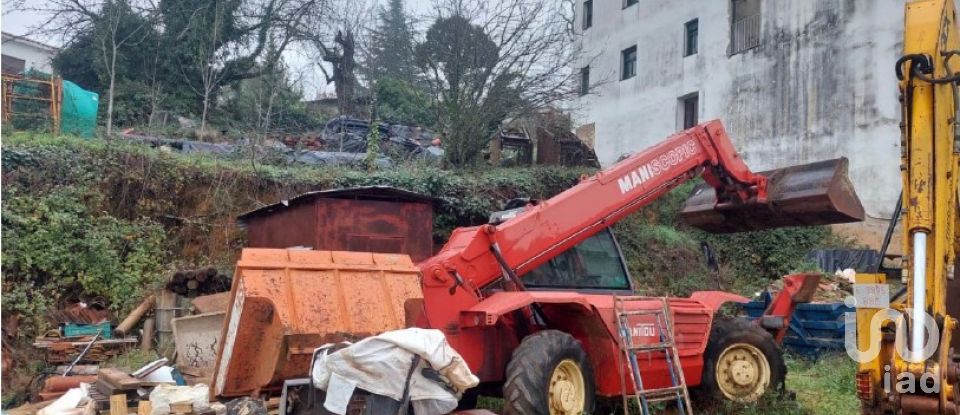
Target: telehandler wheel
[[742, 362], [549, 374]]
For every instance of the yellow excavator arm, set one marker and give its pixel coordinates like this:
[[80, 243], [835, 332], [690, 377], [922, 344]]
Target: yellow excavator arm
[[916, 370]]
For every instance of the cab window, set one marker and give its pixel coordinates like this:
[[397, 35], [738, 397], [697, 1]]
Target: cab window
[[594, 263]]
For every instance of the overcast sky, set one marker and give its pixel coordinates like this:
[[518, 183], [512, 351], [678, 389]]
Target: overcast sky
[[19, 22]]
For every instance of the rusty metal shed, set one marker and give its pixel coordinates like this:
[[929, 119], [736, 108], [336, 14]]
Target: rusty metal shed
[[378, 219]]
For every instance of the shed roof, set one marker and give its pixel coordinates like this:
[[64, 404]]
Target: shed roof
[[386, 193]]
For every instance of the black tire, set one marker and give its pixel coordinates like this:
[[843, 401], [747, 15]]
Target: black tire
[[469, 399], [730, 333], [527, 388]]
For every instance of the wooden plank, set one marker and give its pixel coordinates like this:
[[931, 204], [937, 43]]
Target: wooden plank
[[118, 405], [211, 303], [119, 380], [137, 314], [144, 407], [105, 388]]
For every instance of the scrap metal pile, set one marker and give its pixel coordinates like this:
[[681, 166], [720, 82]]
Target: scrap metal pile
[[88, 338], [343, 141]]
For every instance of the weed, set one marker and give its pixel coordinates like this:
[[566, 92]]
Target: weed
[[132, 360]]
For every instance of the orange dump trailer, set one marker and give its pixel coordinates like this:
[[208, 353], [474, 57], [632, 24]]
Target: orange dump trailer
[[287, 302]]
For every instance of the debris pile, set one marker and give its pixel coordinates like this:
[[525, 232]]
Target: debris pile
[[832, 288], [154, 389], [343, 141], [83, 335], [77, 380]]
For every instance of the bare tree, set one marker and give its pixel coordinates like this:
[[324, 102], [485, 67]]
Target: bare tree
[[116, 24], [233, 40], [119, 27], [489, 61], [342, 58], [209, 60], [334, 38]]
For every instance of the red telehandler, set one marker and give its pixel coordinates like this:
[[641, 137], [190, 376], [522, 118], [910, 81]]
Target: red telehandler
[[530, 302], [539, 302]]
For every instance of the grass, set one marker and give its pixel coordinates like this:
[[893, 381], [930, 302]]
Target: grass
[[132, 360], [821, 386], [825, 385]]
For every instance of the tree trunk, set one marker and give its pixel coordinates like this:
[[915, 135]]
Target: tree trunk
[[203, 118], [113, 77], [344, 65]]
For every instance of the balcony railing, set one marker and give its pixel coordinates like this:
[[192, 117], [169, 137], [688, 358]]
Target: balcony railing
[[745, 34]]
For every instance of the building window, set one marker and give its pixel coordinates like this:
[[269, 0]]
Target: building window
[[584, 80], [587, 14], [628, 67], [691, 32], [13, 65], [689, 110], [628, 3], [745, 27]]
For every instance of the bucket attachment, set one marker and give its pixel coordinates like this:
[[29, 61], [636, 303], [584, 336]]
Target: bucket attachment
[[810, 194]]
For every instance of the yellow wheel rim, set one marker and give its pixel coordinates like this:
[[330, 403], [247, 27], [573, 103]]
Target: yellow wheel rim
[[567, 390], [743, 373]]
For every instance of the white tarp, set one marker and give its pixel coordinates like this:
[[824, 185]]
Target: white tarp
[[380, 365]]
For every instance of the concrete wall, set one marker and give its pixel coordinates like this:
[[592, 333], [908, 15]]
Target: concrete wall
[[820, 85], [37, 56]]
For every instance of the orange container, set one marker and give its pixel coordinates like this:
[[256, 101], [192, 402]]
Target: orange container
[[287, 302]]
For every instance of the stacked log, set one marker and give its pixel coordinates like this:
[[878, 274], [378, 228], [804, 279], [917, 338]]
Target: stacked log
[[191, 283]]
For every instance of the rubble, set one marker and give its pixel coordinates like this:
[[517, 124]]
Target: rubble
[[343, 141], [832, 289], [64, 350], [81, 313]]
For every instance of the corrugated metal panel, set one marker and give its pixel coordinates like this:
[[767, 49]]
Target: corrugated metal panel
[[388, 224]]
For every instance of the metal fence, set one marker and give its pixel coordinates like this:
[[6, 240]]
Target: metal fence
[[31, 102], [745, 34]]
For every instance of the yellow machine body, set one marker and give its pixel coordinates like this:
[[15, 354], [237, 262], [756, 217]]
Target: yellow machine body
[[929, 164]]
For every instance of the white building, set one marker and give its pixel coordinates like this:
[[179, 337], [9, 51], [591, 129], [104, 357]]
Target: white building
[[794, 81], [20, 53]]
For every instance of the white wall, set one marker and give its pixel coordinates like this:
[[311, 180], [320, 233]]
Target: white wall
[[36, 57], [820, 86]]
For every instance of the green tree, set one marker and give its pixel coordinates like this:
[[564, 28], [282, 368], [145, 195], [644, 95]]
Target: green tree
[[108, 52], [391, 53], [213, 43], [117, 27], [462, 59], [403, 103], [486, 64], [270, 102]]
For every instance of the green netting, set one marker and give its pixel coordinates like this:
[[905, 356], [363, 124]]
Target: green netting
[[78, 115], [28, 110]]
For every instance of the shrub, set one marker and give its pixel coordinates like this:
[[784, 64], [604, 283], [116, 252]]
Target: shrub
[[55, 248]]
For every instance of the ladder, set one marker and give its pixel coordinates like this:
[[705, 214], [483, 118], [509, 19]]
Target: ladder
[[627, 314]]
